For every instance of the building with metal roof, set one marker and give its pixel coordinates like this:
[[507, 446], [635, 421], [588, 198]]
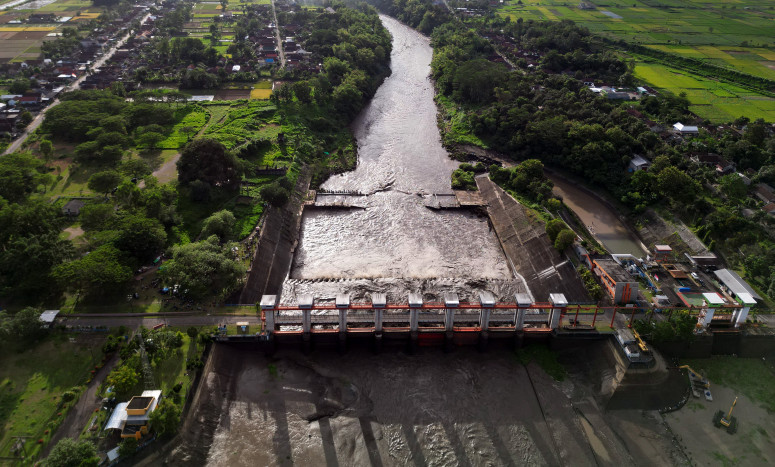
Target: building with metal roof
[[734, 284]]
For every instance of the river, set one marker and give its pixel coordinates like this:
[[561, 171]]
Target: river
[[462, 408], [601, 221], [396, 244]]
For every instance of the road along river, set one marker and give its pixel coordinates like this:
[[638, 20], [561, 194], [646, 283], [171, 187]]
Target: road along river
[[396, 244]]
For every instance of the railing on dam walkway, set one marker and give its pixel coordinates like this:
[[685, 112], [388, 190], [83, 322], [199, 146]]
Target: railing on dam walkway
[[486, 314]]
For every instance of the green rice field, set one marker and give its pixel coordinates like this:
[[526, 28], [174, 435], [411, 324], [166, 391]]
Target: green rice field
[[737, 34], [711, 100]]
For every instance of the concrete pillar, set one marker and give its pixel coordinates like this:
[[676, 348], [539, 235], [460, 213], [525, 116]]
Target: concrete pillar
[[451, 302], [748, 301], [306, 303], [713, 301], [523, 302], [268, 305], [559, 303], [487, 300], [415, 304], [306, 321], [342, 304], [378, 303]]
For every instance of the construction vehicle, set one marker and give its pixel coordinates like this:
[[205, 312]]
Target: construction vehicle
[[641, 343], [700, 384], [727, 421]]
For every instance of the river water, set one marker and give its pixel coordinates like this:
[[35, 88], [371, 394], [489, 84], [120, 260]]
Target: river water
[[396, 244], [601, 221]]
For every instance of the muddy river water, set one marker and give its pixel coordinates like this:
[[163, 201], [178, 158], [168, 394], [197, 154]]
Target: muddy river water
[[396, 243]]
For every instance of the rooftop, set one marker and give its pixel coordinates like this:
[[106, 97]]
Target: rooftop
[[735, 283], [613, 269]]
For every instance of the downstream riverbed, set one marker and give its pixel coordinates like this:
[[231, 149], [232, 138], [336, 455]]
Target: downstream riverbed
[[396, 244], [600, 220]]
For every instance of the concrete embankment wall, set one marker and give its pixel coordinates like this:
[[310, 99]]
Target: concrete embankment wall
[[722, 343], [276, 245]]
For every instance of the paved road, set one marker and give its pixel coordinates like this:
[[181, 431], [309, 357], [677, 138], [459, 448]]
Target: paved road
[[150, 320], [16, 144], [277, 36]]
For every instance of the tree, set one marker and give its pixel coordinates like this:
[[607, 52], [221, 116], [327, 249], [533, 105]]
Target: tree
[[192, 332], [20, 175], [676, 185], [204, 268], [71, 453], [123, 379], [207, 160], [24, 327], [46, 149], [148, 141], [127, 448], [30, 245], [25, 118], [564, 239], [97, 216], [101, 270], [141, 237], [220, 224], [104, 182], [733, 186], [275, 194], [165, 419], [19, 86], [302, 91], [554, 227]]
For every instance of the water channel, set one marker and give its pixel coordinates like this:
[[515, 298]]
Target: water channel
[[601, 220], [396, 244]]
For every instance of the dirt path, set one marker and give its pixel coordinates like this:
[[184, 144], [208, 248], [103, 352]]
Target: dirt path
[[83, 410], [73, 232], [753, 444], [168, 171]]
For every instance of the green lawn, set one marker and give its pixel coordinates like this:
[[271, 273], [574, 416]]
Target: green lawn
[[32, 384]]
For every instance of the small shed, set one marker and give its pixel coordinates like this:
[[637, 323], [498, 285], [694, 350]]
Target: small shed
[[685, 129], [638, 163], [243, 327], [48, 317], [73, 207]]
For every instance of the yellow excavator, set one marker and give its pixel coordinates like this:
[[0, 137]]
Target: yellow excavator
[[727, 421]]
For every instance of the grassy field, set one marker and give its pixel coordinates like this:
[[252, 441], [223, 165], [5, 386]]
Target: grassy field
[[32, 385], [753, 377], [712, 100], [738, 35]]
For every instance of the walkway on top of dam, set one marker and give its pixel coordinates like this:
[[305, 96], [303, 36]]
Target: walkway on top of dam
[[353, 199]]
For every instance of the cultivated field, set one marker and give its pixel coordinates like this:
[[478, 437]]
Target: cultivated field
[[738, 35], [710, 99], [20, 41]]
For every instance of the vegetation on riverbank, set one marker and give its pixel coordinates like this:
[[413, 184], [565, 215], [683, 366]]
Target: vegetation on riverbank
[[546, 112], [119, 157]]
